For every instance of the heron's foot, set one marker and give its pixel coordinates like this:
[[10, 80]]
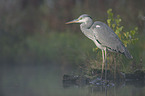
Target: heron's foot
[[101, 82], [105, 82]]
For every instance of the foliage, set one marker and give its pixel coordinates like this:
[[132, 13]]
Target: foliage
[[126, 37], [61, 48]]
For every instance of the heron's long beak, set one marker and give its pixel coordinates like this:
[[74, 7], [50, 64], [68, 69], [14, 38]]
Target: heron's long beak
[[73, 21]]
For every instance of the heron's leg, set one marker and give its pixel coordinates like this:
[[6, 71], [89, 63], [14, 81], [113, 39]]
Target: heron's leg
[[102, 63], [105, 65]]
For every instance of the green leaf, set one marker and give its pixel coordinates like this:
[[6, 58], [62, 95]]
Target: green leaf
[[126, 37]]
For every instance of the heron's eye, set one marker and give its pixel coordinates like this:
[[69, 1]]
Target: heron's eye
[[80, 18]]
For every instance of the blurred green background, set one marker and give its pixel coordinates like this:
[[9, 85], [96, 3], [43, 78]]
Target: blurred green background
[[33, 32]]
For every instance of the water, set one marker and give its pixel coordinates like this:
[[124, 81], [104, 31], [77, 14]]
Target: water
[[46, 81]]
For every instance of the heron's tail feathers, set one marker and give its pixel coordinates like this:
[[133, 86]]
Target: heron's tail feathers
[[127, 54]]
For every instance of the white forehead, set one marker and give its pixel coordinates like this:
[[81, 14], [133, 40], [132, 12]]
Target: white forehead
[[84, 15]]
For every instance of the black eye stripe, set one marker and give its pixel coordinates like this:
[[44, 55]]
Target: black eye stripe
[[90, 17]]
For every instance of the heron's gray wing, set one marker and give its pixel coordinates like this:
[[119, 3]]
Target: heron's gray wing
[[106, 37]]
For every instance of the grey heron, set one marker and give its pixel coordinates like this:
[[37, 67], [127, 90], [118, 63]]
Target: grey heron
[[103, 37]]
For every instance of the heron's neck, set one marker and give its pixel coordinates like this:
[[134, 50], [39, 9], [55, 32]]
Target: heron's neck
[[87, 24]]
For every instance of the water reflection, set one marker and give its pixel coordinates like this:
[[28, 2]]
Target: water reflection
[[46, 81]]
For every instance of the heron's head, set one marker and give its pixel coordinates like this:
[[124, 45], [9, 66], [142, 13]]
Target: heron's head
[[82, 19]]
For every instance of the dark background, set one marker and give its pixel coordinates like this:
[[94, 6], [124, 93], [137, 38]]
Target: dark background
[[37, 48], [33, 32]]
